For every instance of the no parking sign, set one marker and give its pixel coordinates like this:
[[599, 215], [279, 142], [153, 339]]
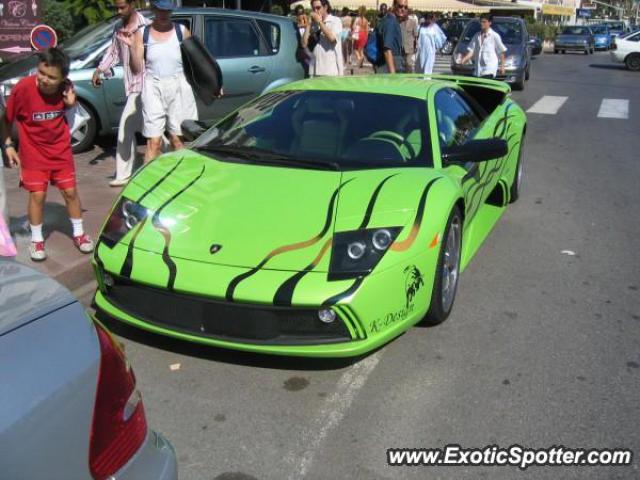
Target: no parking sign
[[43, 37]]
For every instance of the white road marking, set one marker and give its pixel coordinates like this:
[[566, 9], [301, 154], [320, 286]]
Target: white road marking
[[548, 105], [332, 412], [614, 108]]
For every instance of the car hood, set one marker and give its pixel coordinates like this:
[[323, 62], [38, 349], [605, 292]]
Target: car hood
[[18, 68], [253, 216]]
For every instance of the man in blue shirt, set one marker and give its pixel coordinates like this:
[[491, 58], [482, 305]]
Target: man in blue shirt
[[391, 37]]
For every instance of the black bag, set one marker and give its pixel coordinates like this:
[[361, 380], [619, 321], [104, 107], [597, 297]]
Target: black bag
[[200, 69]]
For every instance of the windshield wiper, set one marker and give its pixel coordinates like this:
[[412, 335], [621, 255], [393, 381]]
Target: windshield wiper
[[264, 156]]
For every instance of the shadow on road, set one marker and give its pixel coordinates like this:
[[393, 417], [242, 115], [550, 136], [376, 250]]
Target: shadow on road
[[56, 219], [607, 66], [234, 357]]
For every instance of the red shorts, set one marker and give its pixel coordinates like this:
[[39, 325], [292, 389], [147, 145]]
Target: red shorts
[[38, 180]]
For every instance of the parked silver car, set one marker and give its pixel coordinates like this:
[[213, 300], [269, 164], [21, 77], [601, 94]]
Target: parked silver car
[[70, 406], [256, 52], [515, 37]]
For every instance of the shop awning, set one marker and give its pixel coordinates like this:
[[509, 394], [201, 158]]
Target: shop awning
[[444, 6], [557, 10]]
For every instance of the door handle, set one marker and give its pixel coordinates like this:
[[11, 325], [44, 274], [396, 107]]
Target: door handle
[[256, 69]]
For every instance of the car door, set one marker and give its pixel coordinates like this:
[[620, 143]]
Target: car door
[[244, 59], [458, 122]]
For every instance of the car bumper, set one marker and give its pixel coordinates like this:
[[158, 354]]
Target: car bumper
[[512, 75], [617, 56], [156, 460], [369, 311], [581, 47]]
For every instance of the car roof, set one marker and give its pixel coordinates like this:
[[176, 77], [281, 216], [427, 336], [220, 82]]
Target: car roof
[[407, 85], [231, 13], [26, 294]]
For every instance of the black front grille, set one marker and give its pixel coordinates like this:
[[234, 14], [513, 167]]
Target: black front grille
[[223, 320]]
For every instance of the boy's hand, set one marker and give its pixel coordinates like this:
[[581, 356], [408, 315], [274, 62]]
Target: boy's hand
[[96, 81], [69, 94], [125, 37], [11, 157]]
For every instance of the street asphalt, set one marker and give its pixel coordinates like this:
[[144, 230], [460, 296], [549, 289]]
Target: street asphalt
[[542, 347]]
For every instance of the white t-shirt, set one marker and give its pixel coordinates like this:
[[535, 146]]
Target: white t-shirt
[[328, 55], [486, 50]]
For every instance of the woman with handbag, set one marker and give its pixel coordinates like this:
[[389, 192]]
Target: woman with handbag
[[167, 97]]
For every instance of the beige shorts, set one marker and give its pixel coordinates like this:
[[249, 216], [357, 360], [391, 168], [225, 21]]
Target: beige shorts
[[166, 103]]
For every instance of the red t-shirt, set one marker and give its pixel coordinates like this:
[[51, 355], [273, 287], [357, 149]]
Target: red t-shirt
[[45, 141]]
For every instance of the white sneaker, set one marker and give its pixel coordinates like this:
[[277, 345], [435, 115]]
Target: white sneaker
[[37, 252], [119, 182], [84, 243]]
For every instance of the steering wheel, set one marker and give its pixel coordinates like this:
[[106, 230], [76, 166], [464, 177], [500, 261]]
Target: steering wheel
[[398, 140]]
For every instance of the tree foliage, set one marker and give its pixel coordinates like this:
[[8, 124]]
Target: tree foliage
[[92, 10], [58, 16]]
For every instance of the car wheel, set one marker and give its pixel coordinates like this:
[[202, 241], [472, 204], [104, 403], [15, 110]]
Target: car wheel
[[516, 186], [586, 52], [445, 283], [555, 51], [519, 85], [527, 73], [633, 62], [83, 138]]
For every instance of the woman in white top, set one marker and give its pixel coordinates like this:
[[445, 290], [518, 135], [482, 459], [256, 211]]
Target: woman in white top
[[167, 97], [430, 40], [326, 32]]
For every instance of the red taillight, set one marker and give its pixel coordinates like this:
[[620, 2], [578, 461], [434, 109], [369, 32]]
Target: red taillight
[[119, 424]]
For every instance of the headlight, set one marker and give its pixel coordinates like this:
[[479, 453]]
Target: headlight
[[7, 86], [125, 216], [357, 252], [512, 61]]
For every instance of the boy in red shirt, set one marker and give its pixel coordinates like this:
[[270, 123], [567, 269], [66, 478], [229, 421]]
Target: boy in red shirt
[[37, 104]]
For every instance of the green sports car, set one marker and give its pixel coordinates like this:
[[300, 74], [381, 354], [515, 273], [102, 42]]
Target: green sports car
[[322, 219]]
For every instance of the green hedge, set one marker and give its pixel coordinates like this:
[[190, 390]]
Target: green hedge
[[544, 31]]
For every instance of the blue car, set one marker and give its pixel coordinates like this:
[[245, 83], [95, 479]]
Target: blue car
[[601, 36]]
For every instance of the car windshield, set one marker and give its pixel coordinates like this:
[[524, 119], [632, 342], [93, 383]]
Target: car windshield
[[575, 31], [600, 29], [617, 26], [324, 130], [85, 42], [510, 32]]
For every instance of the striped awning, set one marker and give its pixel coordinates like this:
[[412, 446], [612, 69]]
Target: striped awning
[[444, 6]]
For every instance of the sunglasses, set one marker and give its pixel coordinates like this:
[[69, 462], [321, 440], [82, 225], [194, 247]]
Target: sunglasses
[[317, 7], [402, 7]]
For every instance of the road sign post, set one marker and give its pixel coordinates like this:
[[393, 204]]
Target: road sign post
[[43, 37]]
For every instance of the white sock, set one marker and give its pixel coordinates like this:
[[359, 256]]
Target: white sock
[[36, 233], [77, 226]]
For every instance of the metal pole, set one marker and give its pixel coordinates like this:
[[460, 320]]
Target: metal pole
[[238, 4]]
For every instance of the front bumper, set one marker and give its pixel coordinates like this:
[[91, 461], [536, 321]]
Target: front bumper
[[617, 56], [577, 47], [512, 74]]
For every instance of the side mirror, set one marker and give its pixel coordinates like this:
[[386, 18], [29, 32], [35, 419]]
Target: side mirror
[[476, 151], [192, 129]]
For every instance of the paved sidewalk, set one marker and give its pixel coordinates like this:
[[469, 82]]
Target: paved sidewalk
[[65, 263]]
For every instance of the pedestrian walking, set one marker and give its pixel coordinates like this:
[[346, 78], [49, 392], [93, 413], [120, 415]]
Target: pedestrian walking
[[409, 27], [324, 34], [382, 11], [167, 97], [302, 21], [391, 39], [487, 50], [37, 104], [131, 119], [430, 40], [347, 42], [360, 35]]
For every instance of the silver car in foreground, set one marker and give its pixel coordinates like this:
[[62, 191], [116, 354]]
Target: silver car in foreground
[[70, 408]]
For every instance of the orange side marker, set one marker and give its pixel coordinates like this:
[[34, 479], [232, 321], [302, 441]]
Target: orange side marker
[[435, 241]]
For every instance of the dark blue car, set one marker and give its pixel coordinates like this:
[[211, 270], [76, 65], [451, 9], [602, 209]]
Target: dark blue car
[[601, 37]]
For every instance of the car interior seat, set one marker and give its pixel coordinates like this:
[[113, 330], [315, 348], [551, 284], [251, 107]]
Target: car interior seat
[[319, 127]]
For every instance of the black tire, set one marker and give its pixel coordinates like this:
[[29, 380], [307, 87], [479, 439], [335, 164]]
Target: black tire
[[438, 312], [527, 73], [633, 62], [586, 52], [556, 51], [88, 132], [516, 185], [519, 85], [563, 51]]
